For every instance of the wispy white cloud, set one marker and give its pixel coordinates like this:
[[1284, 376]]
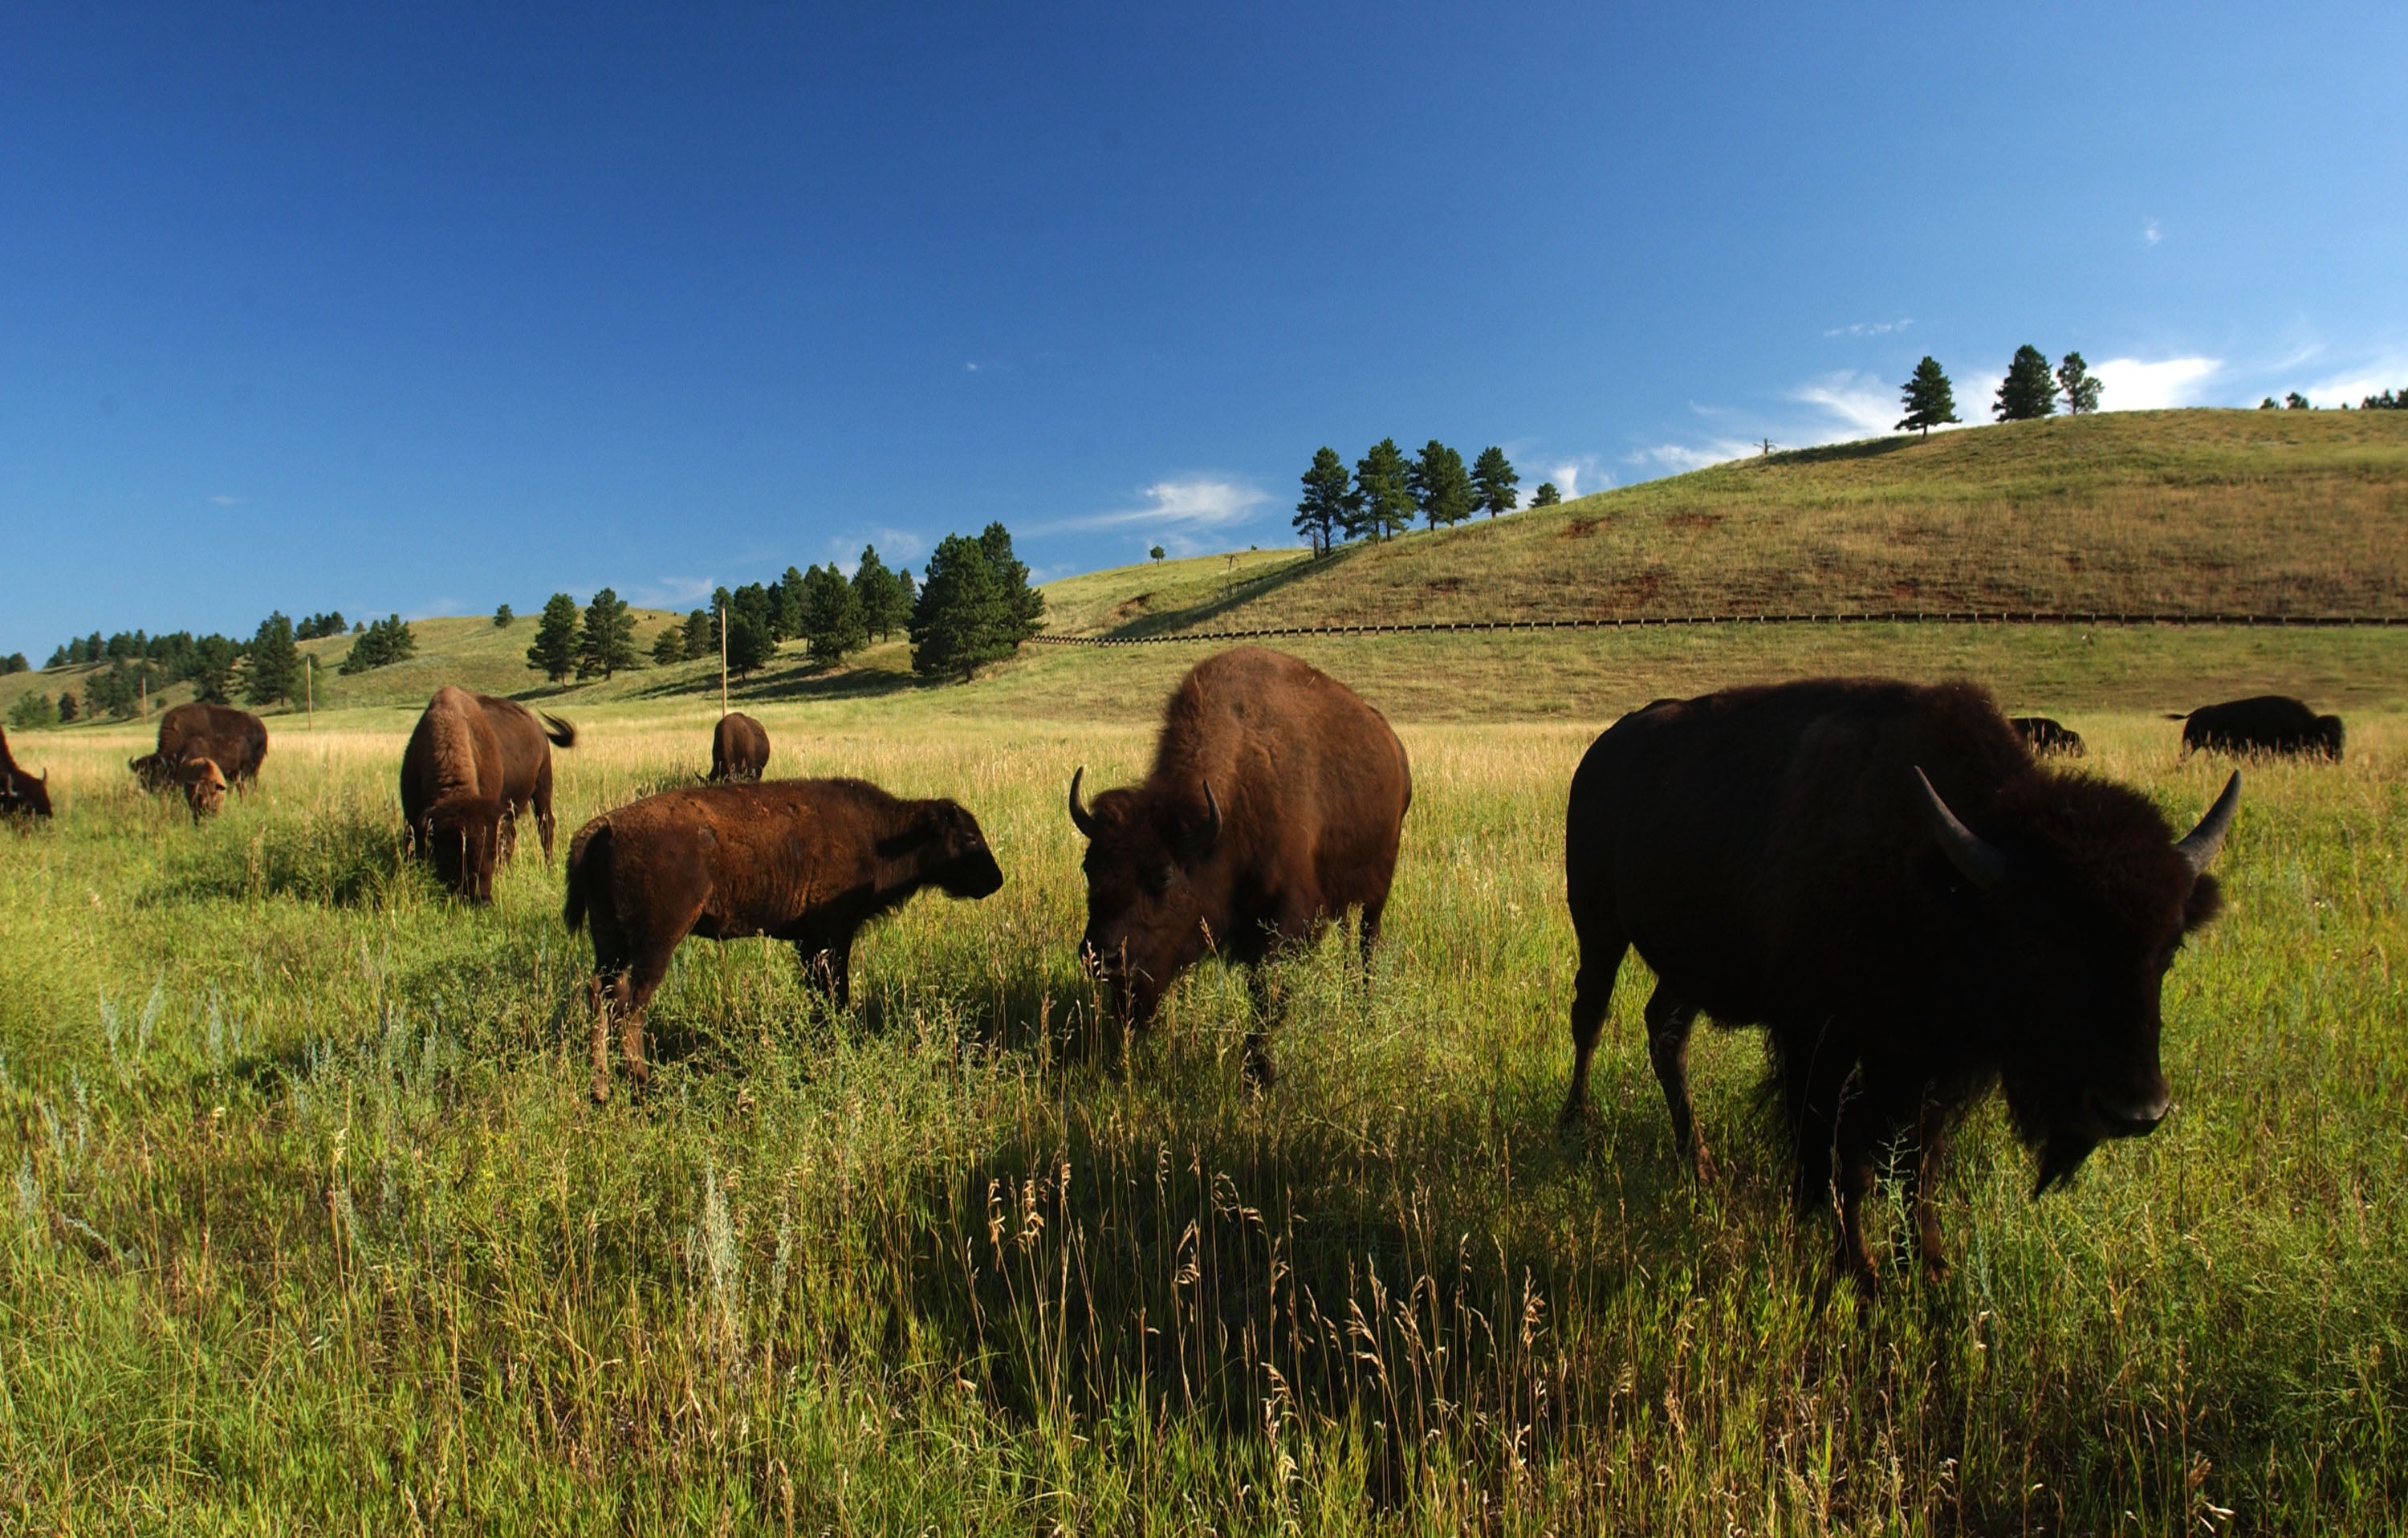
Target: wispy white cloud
[[2134, 385], [1871, 328], [671, 592], [893, 546], [2353, 385], [1198, 505], [225, 501], [2150, 234], [1579, 476], [1677, 457], [1854, 406]]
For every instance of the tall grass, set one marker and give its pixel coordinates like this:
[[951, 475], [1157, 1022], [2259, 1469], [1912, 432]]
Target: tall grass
[[311, 1226]]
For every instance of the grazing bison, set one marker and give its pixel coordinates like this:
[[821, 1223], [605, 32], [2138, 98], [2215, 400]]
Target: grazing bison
[[807, 861], [235, 740], [1275, 803], [22, 796], [739, 749], [2262, 724], [473, 763], [2042, 735], [204, 784], [1880, 875]]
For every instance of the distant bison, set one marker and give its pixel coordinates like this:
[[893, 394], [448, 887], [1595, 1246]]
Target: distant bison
[[22, 797], [2262, 724], [235, 740], [739, 749], [473, 763], [2042, 735], [1879, 874], [806, 862], [1276, 802], [204, 784]]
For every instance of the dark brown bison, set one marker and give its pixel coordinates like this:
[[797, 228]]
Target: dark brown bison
[[739, 749], [806, 862], [22, 797], [1880, 875], [2042, 735], [204, 784], [473, 763], [2262, 724], [235, 740], [1275, 803]]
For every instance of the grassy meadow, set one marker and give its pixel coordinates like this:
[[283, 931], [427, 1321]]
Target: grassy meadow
[[313, 1227]]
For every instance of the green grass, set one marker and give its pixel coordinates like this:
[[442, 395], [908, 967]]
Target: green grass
[[311, 1226]]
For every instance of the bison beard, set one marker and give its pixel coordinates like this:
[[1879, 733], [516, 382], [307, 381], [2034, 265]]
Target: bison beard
[[1793, 856], [806, 862], [1276, 802]]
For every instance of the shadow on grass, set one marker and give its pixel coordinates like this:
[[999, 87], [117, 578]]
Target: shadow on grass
[[1831, 454], [1241, 594]]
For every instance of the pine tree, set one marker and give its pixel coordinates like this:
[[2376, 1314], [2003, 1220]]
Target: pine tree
[[748, 645], [606, 644], [1931, 401], [668, 647], [885, 596], [791, 607], [1155, 553], [502, 617], [275, 672], [2029, 391], [1024, 607], [2081, 386], [66, 710], [1493, 478], [836, 626], [384, 642], [553, 651], [1441, 488], [1326, 510], [211, 670], [2295, 402], [962, 619], [701, 634], [1383, 496], [33, 710], [1546, 495]]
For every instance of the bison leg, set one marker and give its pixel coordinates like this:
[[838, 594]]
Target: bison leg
[[541, 800], [1668, 1024], [1592, 993], [827, 970], [1853, 1145], [1921, 1179], [603, 997], [1367, 934]]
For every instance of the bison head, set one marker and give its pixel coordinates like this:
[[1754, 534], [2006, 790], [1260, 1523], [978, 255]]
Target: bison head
[[154, 772], [953, 853], [1146, 914], [205, 786], [463, 837], [2076, 911]]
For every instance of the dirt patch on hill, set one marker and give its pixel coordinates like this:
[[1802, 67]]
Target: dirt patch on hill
[[1693, 520], [1580, 528]]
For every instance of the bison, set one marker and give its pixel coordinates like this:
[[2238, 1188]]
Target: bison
[[1880, 875], [204, 784], [473, 763], [22, 797], [739, 749], [1275, 803], [806, 862], [2042, 735], [2262, 724], [235, 740]]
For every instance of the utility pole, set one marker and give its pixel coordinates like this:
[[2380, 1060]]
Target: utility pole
[[722, 659], [309, 687]]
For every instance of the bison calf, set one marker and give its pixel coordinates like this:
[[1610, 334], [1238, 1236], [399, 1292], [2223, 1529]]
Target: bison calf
[[739, 749], [805, 861], [204, 784]]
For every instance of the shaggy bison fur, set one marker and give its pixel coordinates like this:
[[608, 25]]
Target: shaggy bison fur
[[2263, 724], [205, 786], [1276, 802], [22, 797], [235, 740], [806, 862], [473, 763], [1880, 875], [739, 749]]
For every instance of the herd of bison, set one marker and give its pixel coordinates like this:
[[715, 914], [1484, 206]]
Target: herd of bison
[[1891, 879]]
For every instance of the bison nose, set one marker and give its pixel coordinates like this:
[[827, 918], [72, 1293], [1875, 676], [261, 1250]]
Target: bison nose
[[2132, 1117]]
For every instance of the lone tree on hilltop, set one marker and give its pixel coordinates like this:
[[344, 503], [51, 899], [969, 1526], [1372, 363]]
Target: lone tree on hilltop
[[1327, 509], [1442, 486], [2081, 386], [502, 617], [1155, 553], [832, 620], [2295, 402], [1383, 493], [2029, 391], [1929, 399], [275, 672], [553, 651], [607, 644], [1493, 478], [1546, 495]]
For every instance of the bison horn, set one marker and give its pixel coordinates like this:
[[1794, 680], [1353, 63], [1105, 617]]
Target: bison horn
[[2200, 845], [1079, 817], [1978, 860], [1210, 834]]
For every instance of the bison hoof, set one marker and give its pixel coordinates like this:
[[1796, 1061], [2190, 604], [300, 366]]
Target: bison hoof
[[601, 1087], [1701, 1165]]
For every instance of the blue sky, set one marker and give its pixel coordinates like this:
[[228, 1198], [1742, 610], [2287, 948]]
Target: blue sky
[[427, 308]]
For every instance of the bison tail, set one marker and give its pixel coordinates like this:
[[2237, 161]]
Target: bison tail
[[592, 843], [560, 732], [2174, 715]]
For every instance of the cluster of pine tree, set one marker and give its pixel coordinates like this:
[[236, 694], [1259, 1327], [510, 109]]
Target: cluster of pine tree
[[2029, 391], [380, 643], [596, 642], [832, 614], [264, 670], [319, 626], [1387, 490], [976, 606]]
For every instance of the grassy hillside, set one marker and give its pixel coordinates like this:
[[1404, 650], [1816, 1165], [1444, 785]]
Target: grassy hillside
[[2269, 512]]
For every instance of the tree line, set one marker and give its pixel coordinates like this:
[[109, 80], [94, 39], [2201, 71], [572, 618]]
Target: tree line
[[2030, 391], [265, 670], [1387, 490]]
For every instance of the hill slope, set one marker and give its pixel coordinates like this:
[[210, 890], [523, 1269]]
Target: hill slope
[[2276, 512]]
